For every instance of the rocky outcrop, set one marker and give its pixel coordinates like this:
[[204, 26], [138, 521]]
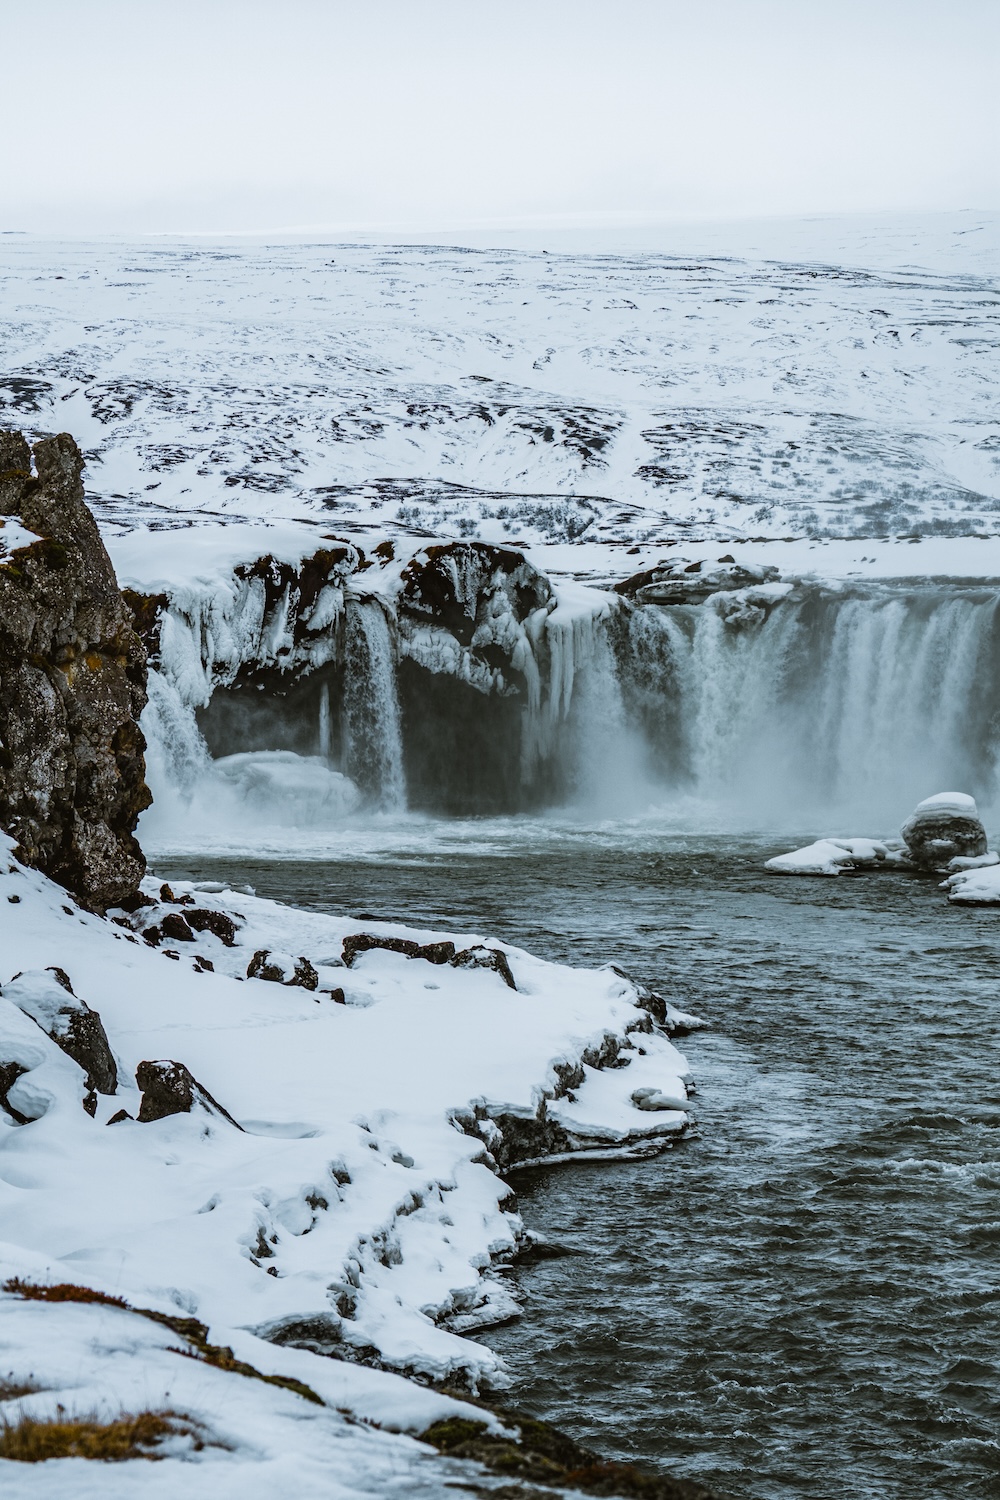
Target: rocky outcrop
[[942, 828], [677, 581], [169, 1088], [47, 997], [467, 587], [478, 957], [283, 968], [72, 683]]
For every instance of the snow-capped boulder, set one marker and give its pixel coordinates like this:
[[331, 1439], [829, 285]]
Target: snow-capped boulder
[[944, 827], [46, 995], [169, 1088], [282, 968], [36, 1074], [72, 773], [677, 581]]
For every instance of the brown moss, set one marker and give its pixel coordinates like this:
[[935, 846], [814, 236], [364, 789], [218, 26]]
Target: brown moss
[[63, 1291], [12, 1389], [220, 1356], [31, 1440]]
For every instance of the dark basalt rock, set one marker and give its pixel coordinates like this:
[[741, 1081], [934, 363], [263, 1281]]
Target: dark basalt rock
[[676, 582], [364, 942], [455, 585], [175, 927], [479, 957], [47, 997], [73, 685], [942, 828], [303, 975], [485, 958], [537, 1453], [203, 919], [169, 1088], [10, 1072]]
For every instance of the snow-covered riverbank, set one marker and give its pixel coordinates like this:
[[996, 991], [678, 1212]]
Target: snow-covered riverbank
[[342, 1200]]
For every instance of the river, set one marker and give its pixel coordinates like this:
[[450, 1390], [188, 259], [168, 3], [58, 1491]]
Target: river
[[802, 1298]]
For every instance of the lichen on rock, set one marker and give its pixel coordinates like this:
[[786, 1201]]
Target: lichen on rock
[[72, 684]]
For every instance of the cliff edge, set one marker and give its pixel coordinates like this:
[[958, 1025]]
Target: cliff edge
[[72, 682]]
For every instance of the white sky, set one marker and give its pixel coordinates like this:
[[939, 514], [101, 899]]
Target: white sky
[[177, 115]]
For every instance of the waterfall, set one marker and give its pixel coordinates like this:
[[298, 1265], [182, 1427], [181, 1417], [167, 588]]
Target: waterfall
[[834, 707], [855, 705], [325, 722], [373, 740]]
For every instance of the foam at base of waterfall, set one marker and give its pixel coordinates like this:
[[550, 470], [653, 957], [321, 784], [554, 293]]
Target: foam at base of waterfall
[[285, 787], [249, 793]]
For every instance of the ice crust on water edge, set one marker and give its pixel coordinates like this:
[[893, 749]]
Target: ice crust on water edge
[[351, 1204]]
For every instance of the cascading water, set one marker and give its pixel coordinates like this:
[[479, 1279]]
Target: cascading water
[[829, 706], [373, 740], [852, 706]]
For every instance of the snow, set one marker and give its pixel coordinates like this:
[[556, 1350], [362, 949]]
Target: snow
[[975, 883], [347, 1196], [958, 803], [833, 857], [826, 379], [12, 536]]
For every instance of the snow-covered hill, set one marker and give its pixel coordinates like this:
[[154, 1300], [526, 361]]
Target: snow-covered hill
[[515, 394]]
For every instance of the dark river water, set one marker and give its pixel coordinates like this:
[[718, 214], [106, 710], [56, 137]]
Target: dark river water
[[801, 1299]]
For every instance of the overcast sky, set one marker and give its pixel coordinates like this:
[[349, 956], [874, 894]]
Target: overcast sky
[[178, 115]]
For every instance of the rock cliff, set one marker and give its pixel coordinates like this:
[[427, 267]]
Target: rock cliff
[[72, 681]]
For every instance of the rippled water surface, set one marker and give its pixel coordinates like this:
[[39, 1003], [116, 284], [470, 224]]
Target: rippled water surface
[[802, 1299]]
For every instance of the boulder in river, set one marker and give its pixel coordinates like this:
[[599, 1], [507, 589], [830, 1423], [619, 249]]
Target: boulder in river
[[944, 827]]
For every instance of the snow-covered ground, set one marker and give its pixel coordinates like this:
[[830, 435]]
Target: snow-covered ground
[[341, 1197], [821, 378]]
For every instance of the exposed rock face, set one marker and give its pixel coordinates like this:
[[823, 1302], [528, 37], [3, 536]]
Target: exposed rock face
[[676, 581], [944, 827], [72, 684], [47, 997], [468, 588], [282, 968], [169, 1088], [479, 957]]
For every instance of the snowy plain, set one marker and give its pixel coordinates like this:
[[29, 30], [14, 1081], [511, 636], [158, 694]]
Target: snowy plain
[[827, 378]]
